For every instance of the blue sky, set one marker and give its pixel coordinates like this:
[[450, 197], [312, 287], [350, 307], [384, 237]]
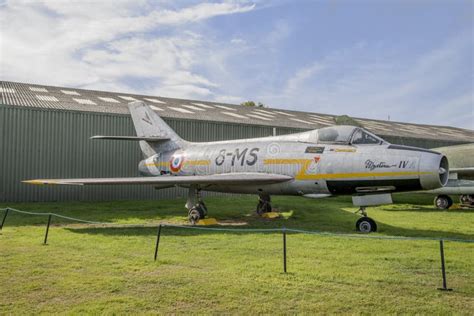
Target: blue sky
[[410, 60]]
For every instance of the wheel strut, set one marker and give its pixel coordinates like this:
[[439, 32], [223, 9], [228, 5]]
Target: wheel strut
[[264, 205], [362, 211]]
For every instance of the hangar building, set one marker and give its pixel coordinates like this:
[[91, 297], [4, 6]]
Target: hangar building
[[45, 133]]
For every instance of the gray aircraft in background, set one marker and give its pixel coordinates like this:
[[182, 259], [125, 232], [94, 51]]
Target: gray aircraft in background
[[338, 160], [461, 177]]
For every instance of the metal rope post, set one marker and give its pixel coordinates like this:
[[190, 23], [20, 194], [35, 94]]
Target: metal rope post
[[157, 241], [47, 230], [4, 218], [443, 268], [284, 249]]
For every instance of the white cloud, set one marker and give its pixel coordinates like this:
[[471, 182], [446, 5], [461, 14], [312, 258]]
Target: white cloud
[[430, 88], [159, 48], [302, 75], [106, 43], [238, 41]]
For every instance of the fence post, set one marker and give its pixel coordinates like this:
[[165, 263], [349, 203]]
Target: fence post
[[4, 218], [47, 230], [443, 268], [157, 241], [284, 249]]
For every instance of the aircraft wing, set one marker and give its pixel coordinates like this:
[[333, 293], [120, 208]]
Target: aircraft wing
[[223, 179], [463, 173], [135, 138]]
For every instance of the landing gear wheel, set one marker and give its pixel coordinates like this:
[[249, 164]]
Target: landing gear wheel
[[194, 216], [263, 207], [443, 202], [466, 199], [366, 225], [201, 208]]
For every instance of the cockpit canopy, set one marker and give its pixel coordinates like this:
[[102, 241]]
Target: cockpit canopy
[[343, 134]]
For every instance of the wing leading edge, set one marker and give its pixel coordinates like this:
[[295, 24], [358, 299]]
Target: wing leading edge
[[223, 179]]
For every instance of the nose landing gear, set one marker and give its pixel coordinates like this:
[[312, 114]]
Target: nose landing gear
[[365, 224]]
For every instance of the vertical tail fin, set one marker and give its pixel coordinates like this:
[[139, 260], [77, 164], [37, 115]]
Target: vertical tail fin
[[149, 124]]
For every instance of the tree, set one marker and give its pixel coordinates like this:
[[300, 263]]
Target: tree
[[346, 120], [248, 103], [253, 104]]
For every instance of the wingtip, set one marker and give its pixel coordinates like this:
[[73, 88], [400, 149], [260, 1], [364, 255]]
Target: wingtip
[[38, 182]]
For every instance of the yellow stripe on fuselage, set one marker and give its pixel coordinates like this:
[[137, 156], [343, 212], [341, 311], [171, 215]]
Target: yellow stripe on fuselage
[[305, 163], [197, 162], [305, 176], [286, 161], [157, 164], [188, 162]]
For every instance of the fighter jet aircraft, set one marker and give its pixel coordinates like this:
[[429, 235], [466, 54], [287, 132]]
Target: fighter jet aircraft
[[337, 160]]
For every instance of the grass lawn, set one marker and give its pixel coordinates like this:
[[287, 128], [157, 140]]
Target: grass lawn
[[98, 269]]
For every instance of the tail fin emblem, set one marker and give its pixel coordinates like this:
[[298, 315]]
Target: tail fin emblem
[[147, 119]]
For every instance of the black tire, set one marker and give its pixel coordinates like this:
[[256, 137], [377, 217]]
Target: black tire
[[443, 202], [466, 199], [366, 225], [450, 200], [204, 208], [194, 216], [263, 207], [268, 207], [260, 209]]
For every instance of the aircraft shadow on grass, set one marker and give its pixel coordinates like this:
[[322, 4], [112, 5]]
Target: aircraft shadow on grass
[[426, 209], [339, 221], [329, 218]]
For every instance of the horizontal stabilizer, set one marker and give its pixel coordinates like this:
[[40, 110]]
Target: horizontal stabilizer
[[135, 138], [222, 179]]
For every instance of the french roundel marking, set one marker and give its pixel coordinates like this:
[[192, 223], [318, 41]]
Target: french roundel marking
[[176, 163]]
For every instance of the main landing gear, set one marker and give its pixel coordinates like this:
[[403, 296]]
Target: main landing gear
[[365, 224], [443, 202], [197, 210], [264, 205], [467, 200]]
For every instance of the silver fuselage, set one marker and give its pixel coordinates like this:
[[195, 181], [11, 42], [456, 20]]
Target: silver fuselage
[[317, 168]]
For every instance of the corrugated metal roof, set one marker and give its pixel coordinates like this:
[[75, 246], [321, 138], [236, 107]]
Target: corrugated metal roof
[[61, 98]]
